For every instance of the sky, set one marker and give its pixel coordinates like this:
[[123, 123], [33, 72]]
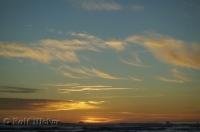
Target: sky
[[100, 60]]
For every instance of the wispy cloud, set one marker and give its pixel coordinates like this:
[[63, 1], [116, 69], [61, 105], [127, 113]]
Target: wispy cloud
[[133, 60], [43, 52], [14, 89], [132, 96], [106, 5], [84, 72], [47, 105], [47, 50], [62, 85], [166, 79], [82, 88], [176, 77], [102, 74], [170, 50], [167, 49], [118, 45], [96, 44], [99, 5], [180, 75], [135, 79], [18, 50]]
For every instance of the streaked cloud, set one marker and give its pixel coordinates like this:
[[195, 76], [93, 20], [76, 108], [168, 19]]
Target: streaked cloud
[[137, 79], [170, 50], [18, 50], [165, 79], [62, 85], [42, 52], [82, 88], [176, 77], [102, 74], [133, 60], [105, 5], [47, 105], [99, 5], [166, 49], [84, 72], [132, 96], [47, 50], [97, 44], [180, 75], [118, 45], [14, 89]]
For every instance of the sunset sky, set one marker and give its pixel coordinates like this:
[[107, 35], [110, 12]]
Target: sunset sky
[[100, 60]]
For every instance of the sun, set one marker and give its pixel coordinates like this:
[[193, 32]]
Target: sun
[[97, 120]]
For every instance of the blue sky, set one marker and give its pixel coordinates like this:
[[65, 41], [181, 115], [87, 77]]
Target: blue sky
[[135, 51]]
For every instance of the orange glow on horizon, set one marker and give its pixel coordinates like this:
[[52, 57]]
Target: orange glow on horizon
[[67, 105], [97, 120]]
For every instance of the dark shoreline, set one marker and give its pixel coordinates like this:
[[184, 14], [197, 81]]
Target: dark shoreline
[[109, 127]]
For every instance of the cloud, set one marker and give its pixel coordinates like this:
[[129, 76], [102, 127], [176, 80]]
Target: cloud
[[13, 89], [118, 45], [43, 52], [84, 72], [18, 50], [176, 77], [102, 74], [47, 105], [170, 50], [105, 5], [131, 96], [165, 79], [62, 85], [81, 88], [180, 75], [47, 50], [135, 79], [99, 5], [96, 44], [134, 60], [79, 41], [166, 49]]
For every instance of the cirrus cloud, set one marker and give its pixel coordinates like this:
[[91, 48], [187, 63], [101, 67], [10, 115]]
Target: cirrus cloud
[[16, 89], [47, 50], [164, 48], [47, 104], [84, 72], [176, 77], [82, 88], [170, 50], [99, 5]]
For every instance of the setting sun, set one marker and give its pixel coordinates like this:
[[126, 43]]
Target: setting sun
[[97, 120]]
